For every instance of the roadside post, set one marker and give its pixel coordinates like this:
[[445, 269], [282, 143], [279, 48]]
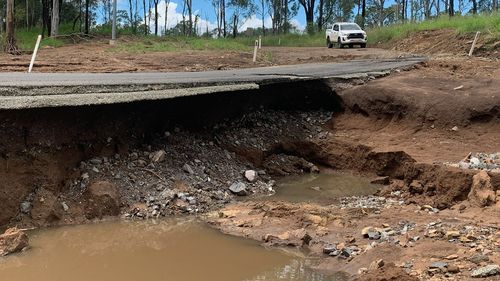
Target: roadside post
[[260, 42], [255, 50], [474, 43], [34, 53]]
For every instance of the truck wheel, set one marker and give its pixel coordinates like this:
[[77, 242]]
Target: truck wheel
[[363, 45], [329, 43], [340, 43]]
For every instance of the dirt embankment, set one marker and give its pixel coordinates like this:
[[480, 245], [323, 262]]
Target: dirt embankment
[[428, 222], [446, 42], [176, 156]]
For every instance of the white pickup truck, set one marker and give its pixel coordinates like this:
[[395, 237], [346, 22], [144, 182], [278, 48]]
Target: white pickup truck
[[345, 33]]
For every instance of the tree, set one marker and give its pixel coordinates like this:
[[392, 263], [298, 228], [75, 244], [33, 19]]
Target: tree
[[262, 12], [451, 8], [145, 11], [10, 40], [189, 6], [55, 18], [240, 8], [156, 16], [220, 13], [87, 16], [167, 3], [308, 6]]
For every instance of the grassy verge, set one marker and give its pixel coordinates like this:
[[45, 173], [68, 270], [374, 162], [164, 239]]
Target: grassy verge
[[489, 25], [174, 44]]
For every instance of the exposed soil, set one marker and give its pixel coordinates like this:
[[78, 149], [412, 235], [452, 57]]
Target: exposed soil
[[97, 56], [447, 43]]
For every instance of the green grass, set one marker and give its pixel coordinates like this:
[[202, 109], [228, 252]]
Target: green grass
[[26, 38], [489, 25], [140, 44]]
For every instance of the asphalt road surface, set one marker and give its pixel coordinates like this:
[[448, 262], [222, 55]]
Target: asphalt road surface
[[34, 90]]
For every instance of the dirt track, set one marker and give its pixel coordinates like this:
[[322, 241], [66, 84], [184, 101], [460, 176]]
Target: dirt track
[[96, 56]]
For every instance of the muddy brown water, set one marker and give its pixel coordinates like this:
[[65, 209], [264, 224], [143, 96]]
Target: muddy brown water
[[167, 250], [320, 188]]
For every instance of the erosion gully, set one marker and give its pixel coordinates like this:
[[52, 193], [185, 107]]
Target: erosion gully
[[160, 166]]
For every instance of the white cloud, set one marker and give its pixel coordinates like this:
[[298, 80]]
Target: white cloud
[[254, 22], [174, 17], [297, 24]]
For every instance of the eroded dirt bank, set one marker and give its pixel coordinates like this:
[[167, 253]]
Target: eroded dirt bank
[[428, 222], [190, 155]]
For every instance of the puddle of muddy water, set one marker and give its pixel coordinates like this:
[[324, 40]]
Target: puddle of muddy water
[[168, 250], [323, 188]]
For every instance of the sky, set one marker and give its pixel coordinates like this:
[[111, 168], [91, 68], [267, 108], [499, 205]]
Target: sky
[[204, 9]]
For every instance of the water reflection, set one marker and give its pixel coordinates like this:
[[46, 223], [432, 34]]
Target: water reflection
[[164, 250], [321, 188], [298, 270]]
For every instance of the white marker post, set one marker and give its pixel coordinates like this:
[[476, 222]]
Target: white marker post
[[260, 42], [474, 44], [34, 53], [255, 51]]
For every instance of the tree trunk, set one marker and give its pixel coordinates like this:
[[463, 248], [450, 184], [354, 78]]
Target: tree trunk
[[189, 5], [156, 17], [263, 15], [235, 25], [308, 6], [131, 17], [363, 13], [167, 2], [451, 10], [87, 16], [320, 15], [1, 19], [223, 18], [55, 19], [474, 6], [10, 40], [145, 18]]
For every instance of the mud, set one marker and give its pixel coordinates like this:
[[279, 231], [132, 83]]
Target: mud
[[171, 249]]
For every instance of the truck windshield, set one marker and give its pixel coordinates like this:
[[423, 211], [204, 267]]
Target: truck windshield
[[350, 27]]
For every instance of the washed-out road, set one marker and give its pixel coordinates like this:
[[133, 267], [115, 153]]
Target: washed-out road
[[37, 90]]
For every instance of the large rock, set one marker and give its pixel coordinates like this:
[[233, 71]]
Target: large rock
[[12, 241], [239, 189], [103, 199], [482, 193], [251, 175], [158, 156], [485, 271]]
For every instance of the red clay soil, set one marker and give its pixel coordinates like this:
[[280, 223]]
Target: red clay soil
[[416, 111]]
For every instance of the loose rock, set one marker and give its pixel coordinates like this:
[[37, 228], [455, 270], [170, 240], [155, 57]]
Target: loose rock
[[485, 271], [12, 241], [251, 175], [239, 189]]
